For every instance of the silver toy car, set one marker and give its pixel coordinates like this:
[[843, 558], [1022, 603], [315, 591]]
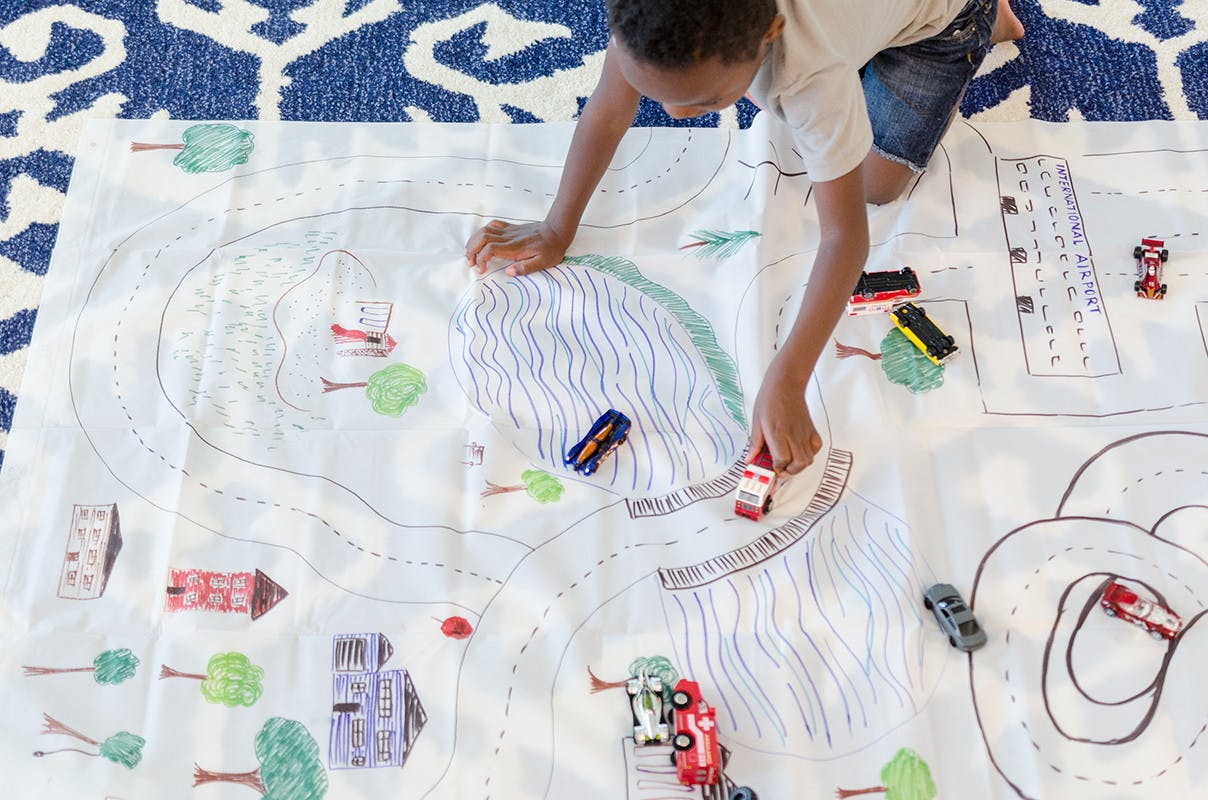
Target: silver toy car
[[954, 617], [646, 703]]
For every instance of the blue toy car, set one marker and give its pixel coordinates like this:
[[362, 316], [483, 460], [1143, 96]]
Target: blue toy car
[[608, 433]]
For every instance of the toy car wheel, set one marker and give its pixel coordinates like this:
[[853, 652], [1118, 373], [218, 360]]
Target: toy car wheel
[[922, 311], [1137, 287], [673, 762], [1163, 288], [1157, 634], [1111, 612], [743, 793], [683, 741], [1137, 252], [1163, 255], [952, 641], [767, 505], [867, 295], [927, 603], [681, 700]]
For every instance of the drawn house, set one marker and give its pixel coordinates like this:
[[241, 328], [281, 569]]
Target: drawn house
[[368, 337], [93, 542], [375, 713], [251, 593]]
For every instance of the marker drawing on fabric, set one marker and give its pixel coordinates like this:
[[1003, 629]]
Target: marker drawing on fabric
[[290, 767], [902, 362], [540, 485], [657, 666], [718, 244], [369, 338], [93, 542], [230, 679], [207, 147], [905, 777], [122, 748], [251, 593], [391, 390], [109, 668], [376, 713]]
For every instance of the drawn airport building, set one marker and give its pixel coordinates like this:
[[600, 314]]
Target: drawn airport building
[[93, 542], [375, 713], [251, 593]]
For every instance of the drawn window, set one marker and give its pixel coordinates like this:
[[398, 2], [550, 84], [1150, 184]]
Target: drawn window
[[240, 582], [238, 600], [87, 581], [74, 555], [91, 556], [101, 514], [358, 733], [358, 687], [358, 761], [193, 578], [214, 599], [82, 533], [386, 697], [71, 578], [350, 655], [96, 535], [218, 582], [383, 745], [191, 598]]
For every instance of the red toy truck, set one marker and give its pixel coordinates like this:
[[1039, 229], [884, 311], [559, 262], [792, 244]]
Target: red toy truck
[[1150, 255], [1160, 622], [697, 755], [877, 292], [753, 498]]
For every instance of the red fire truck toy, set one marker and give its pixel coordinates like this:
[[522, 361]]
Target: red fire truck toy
[[697, 755], [753, 498], [1160, 622], [1150, 255], [881, 291]]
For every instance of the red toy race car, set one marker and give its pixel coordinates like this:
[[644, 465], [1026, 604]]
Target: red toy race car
[[1160, 622], [881, 291], [1150, 255], [753, 498], [697, 755]]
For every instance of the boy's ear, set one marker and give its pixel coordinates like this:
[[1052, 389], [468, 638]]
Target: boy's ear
[[774, 29]]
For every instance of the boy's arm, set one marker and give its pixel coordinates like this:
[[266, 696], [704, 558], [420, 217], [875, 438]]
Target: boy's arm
[[606, 116], [780, 418]]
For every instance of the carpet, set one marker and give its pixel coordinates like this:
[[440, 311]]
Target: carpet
[[452, 61]]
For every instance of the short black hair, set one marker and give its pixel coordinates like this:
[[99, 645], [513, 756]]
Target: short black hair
[[673, 34]]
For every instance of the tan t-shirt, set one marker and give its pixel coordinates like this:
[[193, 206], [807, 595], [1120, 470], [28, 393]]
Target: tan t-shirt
[[809, 78]]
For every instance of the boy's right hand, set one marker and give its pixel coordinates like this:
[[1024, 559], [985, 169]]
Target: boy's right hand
[[530, 247]]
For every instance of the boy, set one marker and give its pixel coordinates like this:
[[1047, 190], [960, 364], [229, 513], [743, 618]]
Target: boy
[[868, 88]]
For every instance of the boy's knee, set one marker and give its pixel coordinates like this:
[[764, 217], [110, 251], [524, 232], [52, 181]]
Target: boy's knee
[[884, 180]]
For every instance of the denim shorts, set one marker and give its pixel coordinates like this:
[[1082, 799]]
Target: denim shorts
[[913, 92]]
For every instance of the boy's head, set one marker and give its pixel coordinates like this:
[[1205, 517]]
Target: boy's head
[[693, 56], [673, 34]]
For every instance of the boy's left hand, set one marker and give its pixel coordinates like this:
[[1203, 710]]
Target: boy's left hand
[[782, 421]]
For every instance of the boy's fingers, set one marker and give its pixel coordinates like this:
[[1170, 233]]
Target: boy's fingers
[[523, 267]]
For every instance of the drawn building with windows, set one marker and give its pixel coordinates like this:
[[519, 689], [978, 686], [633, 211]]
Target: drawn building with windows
[[375, 713], [251, 593], [93, 543]]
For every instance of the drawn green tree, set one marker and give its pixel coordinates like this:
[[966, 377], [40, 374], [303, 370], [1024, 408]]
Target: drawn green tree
[[719, 244], [108, 669], [540, 485], [123, 747], [207, 147], [905, 777], [656, 666], [230, 679], [290, 767], [391, 391], [902, 362]]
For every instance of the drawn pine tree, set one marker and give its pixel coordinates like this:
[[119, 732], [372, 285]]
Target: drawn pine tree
[[391, 390], [540, 485], [905, 777], [290, 767], [230, 679], [108, 669], [718, 244], [123, 747], [207, 147]]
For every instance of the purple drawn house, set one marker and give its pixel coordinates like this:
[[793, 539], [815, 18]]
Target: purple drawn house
[[375, 713]]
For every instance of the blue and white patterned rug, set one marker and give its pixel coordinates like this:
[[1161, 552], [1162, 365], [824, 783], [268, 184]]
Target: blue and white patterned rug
[[452, 61]]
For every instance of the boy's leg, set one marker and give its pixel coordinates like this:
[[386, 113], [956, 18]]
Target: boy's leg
[[913, 94], [1007, 27]]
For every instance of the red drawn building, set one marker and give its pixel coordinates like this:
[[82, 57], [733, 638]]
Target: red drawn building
[[251, 593]]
